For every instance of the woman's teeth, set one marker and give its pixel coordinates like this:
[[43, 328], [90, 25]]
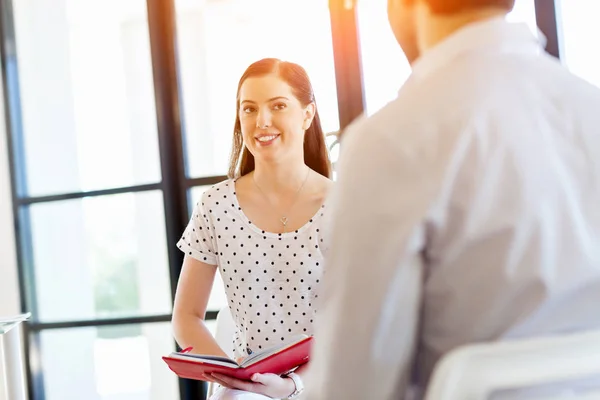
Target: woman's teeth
[[266, 138]]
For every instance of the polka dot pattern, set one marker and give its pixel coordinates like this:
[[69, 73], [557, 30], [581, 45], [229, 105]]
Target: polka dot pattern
[[271, 279]]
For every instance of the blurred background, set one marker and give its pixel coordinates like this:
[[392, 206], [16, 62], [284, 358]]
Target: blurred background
[[116, 115]]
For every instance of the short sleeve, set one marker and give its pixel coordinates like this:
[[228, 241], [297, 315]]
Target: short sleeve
[[197, 240]]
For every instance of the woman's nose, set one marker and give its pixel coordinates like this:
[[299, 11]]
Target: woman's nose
[[263, 119]]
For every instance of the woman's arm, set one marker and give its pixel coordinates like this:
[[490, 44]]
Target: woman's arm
[[193, 290]]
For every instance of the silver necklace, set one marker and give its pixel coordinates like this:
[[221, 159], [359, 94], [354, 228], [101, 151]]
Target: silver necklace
[[284, 219]]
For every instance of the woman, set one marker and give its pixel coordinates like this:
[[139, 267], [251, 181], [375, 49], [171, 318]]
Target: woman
[[262, 228]]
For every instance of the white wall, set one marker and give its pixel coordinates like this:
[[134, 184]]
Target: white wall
[[9, 288]]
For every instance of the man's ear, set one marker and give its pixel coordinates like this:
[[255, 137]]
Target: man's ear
[[309, 115]]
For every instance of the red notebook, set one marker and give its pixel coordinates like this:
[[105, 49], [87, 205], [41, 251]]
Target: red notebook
[[276, 360]]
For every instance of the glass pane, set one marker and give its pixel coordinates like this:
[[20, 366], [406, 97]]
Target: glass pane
[[385, 67], [217, 299], [87, 94], [112, 247], [108, 363], [219, 39], [524, 11], [580, 38]]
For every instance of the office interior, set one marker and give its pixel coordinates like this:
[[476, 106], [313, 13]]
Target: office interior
[[115, 115]]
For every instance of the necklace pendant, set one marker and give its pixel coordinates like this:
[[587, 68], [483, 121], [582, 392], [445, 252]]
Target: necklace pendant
[[284, 221]]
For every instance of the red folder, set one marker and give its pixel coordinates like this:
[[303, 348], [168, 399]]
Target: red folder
[[277, 360]]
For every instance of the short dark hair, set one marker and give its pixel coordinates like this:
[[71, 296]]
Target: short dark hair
[[452, 6]]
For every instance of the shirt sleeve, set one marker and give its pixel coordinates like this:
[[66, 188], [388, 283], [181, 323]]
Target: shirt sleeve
[[197, 240], [366, 326]]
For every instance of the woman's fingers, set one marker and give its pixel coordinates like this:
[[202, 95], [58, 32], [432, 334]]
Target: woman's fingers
[[235, 383]]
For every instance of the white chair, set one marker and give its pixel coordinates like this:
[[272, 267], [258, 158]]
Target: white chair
[[332, 139], [224, 332], [476, 372]]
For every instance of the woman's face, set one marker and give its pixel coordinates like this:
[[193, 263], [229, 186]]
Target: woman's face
[[272, 119]]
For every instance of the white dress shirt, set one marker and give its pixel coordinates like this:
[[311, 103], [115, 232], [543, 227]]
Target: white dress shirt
[[466, 210]]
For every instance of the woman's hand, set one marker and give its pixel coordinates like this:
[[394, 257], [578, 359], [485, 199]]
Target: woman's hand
[[270, 385]]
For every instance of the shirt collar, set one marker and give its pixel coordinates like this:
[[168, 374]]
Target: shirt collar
[[494, 35]]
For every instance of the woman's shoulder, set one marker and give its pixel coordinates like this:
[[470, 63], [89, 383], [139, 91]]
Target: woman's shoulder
[[217, 194]]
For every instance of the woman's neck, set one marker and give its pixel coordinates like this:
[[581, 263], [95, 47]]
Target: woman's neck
[[283, 178]]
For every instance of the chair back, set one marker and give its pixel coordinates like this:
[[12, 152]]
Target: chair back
[[224, 333], [570, 364]]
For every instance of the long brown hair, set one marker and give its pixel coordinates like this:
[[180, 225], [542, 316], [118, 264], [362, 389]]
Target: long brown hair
[[316, 155]]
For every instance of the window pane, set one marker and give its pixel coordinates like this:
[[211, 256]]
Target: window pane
[[219, 39], [87, 94], [108, 363], [524, 11], [217, 299], [385, 67], [112, 247], [580, 37]]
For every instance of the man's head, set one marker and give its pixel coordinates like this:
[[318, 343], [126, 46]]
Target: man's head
[[411, 19]]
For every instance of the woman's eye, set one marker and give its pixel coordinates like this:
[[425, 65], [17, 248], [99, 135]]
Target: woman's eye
[[248, 110], [279, 106]]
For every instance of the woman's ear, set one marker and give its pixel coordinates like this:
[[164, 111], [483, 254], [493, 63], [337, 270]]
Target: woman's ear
[[309, 115]]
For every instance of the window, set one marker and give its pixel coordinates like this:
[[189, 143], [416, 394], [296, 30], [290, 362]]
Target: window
[[524, 11], [112, 246], [581, 31], [116, 362], [218, 39], [385, 67], [90, 204], [92, 102]]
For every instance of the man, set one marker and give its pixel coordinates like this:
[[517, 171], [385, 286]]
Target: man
[[467, 210]]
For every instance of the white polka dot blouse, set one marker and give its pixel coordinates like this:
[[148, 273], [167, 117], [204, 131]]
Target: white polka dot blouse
[[271, 279]]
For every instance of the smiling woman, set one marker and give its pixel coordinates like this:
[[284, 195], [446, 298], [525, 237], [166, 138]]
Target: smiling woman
[[262, 228], [292, 103]]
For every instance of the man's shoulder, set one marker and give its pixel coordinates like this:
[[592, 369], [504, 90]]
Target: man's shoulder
[[398, 121]]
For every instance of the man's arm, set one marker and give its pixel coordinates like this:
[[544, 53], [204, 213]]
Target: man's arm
[[368, 317]]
